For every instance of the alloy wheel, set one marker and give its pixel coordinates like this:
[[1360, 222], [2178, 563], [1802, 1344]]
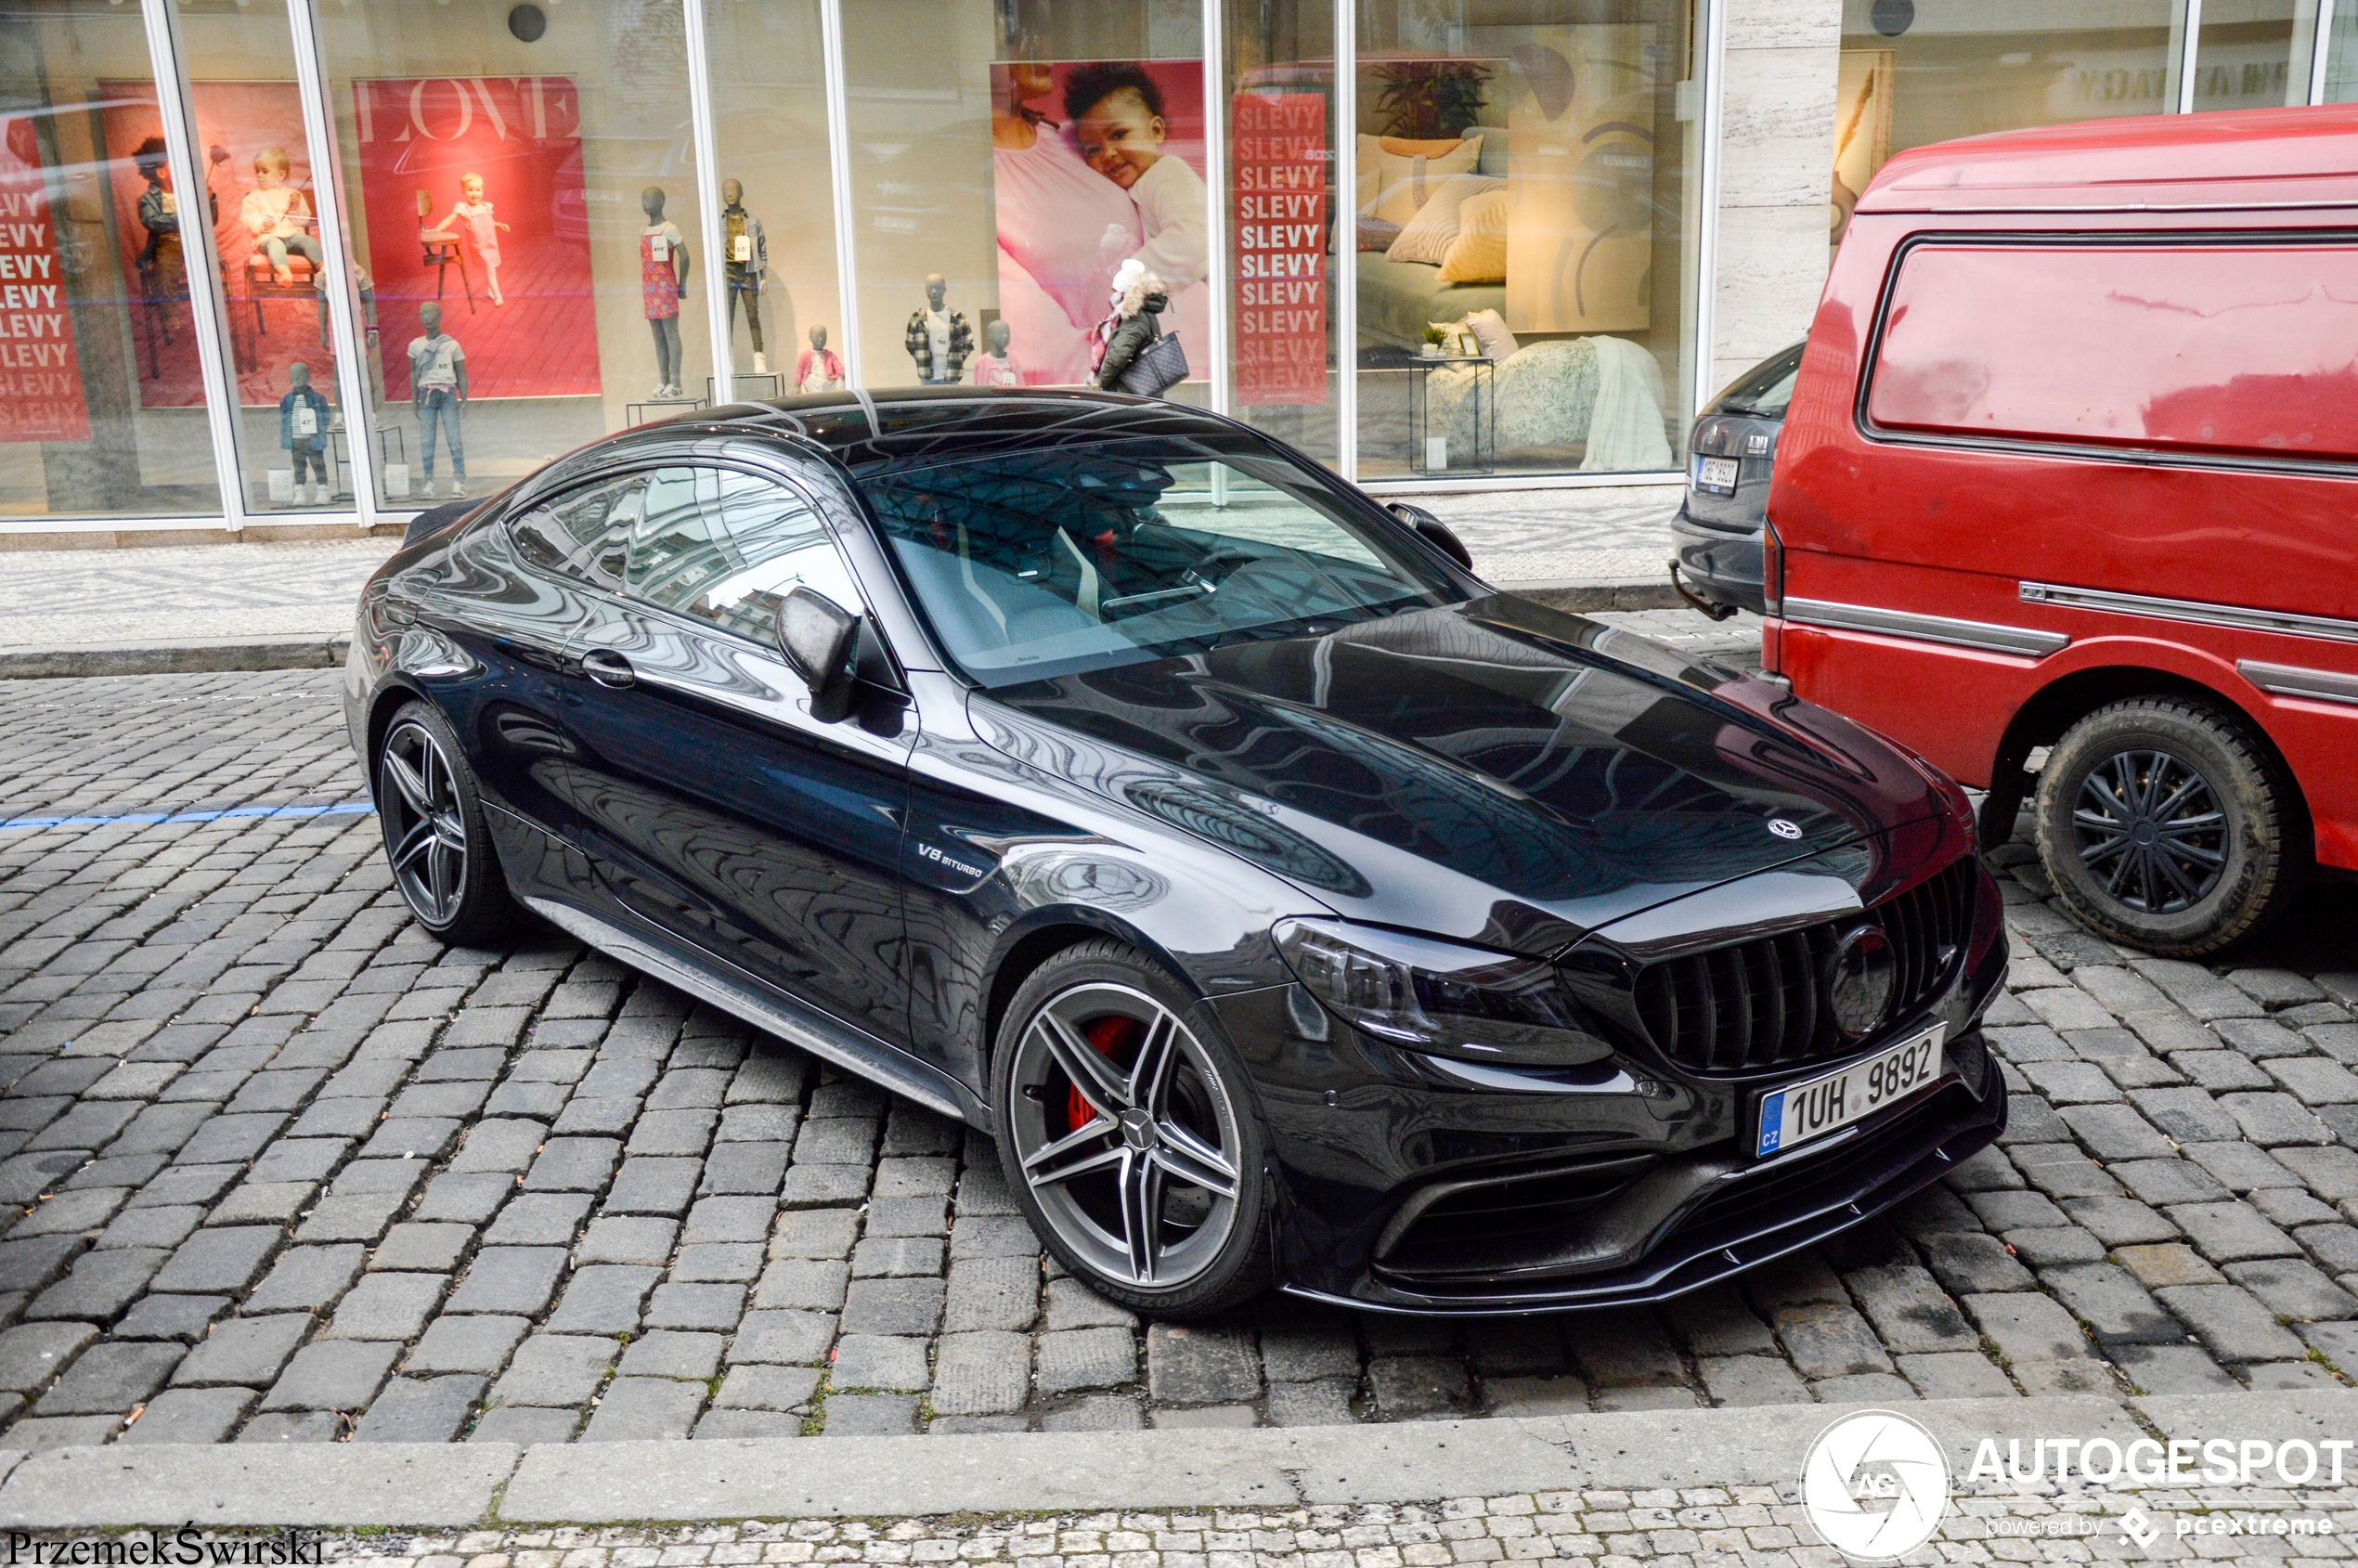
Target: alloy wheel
[[2150, 830], [425, 822], [1125, 1135]]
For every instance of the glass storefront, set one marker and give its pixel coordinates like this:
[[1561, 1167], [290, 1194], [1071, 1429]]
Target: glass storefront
[[102, 408], [1523, 196]]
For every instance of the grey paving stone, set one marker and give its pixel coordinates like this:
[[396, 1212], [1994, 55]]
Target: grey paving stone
[[465, 1344], [892, 1306], [2054, 1246], [572, 1164], [2025, 1325], [101, 1285], [2292, 1288], [870, 1414], [540, 1219], [360, 1216], [1629, 1350], [308, 1279], [387, 1306], [462, 1199], [421, 1409], [173, 1317], [514, 1281], [110, 1378], [1712, 1322], [672, 1353], [2330, 1173], [1728, 1379], [2241, 1167], [773, 1388], [2232, 1325], [2114, 1304], [711, 1305], [1828, 1342], [2160, 1181], [652, 1187], [2120, 1221], [1910, 1311], [603, 1299], [1315, 1403], [225, 1260], [1075, 1359], [983, 1372], [1955, 1375], [1072, 1305], [191, 1415], [2006, 1211], [2167, 1264], [341, 1374], [882, 1362], [1201, 1364], [244, 1353], [2223, 1231], [783, 1336], [2116, 1131], [2172, 1369], [418, 1246], [37, 1434], [555, 1369], [628, 1239], [744, 1168], [880, 1256], [736, 1262], [1404, 1387], [640, 1409], [2269, 1120]]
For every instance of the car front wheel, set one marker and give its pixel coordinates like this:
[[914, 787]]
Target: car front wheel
[[1131, 1139], [2165, 824], [435, 838]]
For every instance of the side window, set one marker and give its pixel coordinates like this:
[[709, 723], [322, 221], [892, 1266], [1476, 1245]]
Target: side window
[[581, 534], [728, 548]]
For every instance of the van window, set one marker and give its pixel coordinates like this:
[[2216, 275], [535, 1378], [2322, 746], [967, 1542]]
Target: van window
[[2244, 350]]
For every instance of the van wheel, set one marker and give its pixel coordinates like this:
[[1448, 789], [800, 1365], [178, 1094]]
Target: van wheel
[[2164, 825]]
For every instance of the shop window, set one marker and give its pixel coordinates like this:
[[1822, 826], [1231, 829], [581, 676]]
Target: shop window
[[1523, 192], [101, 404], [521, 185]]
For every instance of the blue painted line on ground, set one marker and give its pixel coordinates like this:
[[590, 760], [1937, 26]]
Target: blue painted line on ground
[[225, 814]]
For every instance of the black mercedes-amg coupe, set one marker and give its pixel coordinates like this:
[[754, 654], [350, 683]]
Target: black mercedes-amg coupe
[[1290, 907]]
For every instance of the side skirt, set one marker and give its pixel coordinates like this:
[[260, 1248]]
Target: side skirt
[[797, 1025]]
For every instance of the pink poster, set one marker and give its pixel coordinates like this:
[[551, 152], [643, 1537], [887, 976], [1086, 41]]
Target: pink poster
[[1282, 163], [40, 381], [1095, 161], [258, 175], [474, 192]]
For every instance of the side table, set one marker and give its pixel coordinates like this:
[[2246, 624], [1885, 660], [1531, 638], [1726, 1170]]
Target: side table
[[1428, 453]]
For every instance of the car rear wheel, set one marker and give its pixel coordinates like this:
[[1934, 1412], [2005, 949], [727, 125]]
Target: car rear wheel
[[1132, 1139], [435, 838], [2165, 824]]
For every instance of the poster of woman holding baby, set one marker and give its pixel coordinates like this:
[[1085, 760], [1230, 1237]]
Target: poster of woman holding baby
[[1095, 163]]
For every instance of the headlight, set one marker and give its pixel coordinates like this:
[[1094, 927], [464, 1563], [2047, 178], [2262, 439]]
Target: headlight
[[1437, 996]]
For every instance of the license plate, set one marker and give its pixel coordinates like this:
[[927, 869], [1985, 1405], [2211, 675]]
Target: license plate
[[1715, 473], [1800, 1112]]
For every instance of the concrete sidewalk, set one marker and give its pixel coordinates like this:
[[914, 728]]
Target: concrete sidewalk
[[329, 1484], [191, 608]]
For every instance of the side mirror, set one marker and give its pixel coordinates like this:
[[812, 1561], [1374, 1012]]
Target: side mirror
[[1436, 533], [816, 635]]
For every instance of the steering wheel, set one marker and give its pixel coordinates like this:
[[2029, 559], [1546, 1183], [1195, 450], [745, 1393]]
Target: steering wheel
[[1206, 570]]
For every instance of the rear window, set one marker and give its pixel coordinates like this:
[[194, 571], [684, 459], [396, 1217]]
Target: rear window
[[2223, 349]]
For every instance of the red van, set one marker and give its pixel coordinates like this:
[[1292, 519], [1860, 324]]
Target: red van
[[2068, 501]]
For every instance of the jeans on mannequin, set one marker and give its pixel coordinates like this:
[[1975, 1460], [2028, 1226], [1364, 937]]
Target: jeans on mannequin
[[751, 294], [666, 333], [439, 408]]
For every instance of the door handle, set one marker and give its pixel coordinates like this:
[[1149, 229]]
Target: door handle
[[608, 667]]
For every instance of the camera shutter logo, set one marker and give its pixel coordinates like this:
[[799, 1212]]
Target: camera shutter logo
[[1875, 1485]]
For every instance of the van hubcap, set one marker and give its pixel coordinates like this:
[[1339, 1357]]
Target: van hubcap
[[2150, 831]]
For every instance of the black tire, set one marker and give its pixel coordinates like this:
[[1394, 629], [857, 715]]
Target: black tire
[[1207, 1105], [436, 841], [2165, 824]]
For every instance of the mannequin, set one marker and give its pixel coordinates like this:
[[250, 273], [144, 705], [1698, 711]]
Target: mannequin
[[939, 338], [746, 260], [437, 389], [303, 422], [663, 279], [817, 369], [995, 369]]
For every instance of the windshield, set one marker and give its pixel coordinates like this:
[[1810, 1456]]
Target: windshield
[[1766, 389], [1046, 562]]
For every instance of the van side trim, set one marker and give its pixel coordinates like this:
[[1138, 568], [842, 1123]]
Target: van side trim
[[1980, 635], [2291, 681], [2192, 610]]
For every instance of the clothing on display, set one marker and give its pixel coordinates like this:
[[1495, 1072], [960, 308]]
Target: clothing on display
[[939, 339], [996, 368], [303, 414], [438, 390], [473, 216], [745, 265], [663, 279], [818, 369]]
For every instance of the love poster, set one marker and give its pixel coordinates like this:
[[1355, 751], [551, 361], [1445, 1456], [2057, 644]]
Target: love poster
[[1279, 142], [271, 325], [511, 268], [40, 380]]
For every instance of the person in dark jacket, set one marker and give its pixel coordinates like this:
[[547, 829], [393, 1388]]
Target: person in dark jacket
[[1138, 302]]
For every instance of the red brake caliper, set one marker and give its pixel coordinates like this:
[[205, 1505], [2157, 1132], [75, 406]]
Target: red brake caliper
[[1106, 1034]]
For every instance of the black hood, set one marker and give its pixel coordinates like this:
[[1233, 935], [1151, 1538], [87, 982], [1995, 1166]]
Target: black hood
[[1494, 770]]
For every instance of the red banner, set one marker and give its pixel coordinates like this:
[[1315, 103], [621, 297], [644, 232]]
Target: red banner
[[40, 377], [1281, 161]]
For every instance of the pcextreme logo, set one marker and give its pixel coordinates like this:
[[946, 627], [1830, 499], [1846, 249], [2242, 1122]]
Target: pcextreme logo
[[1875, 1485]]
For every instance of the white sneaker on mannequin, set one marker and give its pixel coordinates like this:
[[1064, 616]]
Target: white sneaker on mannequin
[[760, 363]]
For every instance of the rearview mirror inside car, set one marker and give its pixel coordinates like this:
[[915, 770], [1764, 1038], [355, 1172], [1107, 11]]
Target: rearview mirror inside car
[[816, 634], [1437, 533]]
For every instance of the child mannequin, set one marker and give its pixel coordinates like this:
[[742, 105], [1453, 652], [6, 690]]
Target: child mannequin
[[437, 389], [279, 217], [817, 369], [1117, 117], [482, 230], [663, 279], [995, 369], [302, 430]]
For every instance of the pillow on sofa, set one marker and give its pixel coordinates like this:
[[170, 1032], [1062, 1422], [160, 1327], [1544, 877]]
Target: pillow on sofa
[[1478, 252], [1489, 328], [1426, 237], [1494, 148], [1406, 174]]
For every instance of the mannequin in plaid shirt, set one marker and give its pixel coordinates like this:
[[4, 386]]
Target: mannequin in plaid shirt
[[939, 339]]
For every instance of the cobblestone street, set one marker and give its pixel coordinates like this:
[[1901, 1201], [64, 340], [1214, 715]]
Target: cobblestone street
[[277, 1167]]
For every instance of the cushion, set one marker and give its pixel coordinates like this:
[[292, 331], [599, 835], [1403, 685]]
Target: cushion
[[1493, 162], [1489, 328], [1477, 252], [1405, 181], [1426, 237]]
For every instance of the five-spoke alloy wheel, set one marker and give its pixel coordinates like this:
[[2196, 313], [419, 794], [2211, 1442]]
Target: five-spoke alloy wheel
[[1130, 1137], [434, 837]]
